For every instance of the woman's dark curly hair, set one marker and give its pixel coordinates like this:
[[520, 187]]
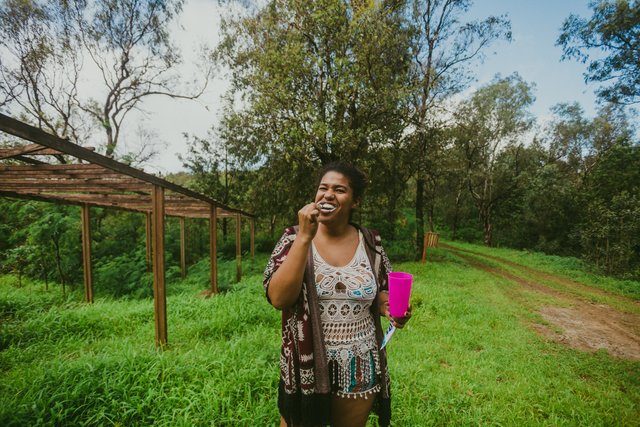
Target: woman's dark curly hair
[[357, 178]]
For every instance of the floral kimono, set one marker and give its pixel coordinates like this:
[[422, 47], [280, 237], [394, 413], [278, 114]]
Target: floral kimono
[[304, 395]]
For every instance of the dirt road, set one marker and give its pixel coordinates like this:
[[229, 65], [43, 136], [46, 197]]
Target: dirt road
[[579, 322]]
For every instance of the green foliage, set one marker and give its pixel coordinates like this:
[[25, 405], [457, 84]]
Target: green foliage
[[611, 237], [319, 81], [487, 131], [47, 241], [575, 195], [48, 236], [613, 29], [124, 274]]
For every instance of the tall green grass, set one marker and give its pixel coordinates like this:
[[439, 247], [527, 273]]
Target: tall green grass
[[468, 357]]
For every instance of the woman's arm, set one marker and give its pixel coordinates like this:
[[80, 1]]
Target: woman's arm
[[286, 282], [383, 295]]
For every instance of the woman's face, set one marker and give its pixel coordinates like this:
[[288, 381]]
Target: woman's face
[[334, 197]]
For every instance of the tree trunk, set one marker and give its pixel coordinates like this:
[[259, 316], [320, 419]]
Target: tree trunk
[[391, 218], [420, 184], [430, 213], [59, 265], [111, 146], [45, 277], [488, 226], [456, 214], [225, 225], [272, 226]]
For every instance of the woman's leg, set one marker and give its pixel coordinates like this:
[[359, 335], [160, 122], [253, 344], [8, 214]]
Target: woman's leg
[[350, 412]]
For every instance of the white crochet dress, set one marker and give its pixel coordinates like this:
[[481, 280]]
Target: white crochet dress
[[345, 295]]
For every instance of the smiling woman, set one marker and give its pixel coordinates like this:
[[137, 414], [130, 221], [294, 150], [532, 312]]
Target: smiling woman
[[329, 278]]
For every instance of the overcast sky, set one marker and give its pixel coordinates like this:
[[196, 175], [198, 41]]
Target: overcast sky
[[532, 53]]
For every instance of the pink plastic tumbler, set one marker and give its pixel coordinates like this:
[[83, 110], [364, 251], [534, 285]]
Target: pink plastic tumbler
[[399, 292]]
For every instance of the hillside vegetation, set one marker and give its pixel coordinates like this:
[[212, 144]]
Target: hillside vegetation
[[469, 356]]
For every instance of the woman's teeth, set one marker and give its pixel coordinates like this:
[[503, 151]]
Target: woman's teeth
[[325, 207]]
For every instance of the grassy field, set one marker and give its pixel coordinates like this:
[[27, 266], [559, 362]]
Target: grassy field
[[468, 357]]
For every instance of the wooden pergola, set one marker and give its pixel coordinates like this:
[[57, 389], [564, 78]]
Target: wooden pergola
[[100, 181]]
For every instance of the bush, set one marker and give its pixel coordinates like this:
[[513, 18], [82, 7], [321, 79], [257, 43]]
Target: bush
[[125, 274]]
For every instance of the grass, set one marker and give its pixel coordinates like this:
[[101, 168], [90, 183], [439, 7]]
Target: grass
[[480, 364], [568, 267], [622, 297], [466, 358]]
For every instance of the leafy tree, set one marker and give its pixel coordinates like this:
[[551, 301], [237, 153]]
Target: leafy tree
[[609, 238], [129, 42], [493, 121], [44, 240], [613, 29], [314, 82], [215, 170], [577, 143], [443, 46], [609, 232], [17, 259], [40, 63], [44, 44]]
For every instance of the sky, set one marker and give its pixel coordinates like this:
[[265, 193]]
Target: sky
[[532, 53]]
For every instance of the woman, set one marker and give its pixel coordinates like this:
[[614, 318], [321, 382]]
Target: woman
[[329, 278]]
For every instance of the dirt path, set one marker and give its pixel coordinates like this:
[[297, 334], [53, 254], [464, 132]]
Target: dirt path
[[584, 325]]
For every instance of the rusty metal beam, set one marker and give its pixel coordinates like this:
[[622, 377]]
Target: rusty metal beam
[[213, 248], [86, 254], [6, 153], [74, 187], [159, 289], [238, 250], [30, 133], [183, 258], [85, 167], [148, 231]]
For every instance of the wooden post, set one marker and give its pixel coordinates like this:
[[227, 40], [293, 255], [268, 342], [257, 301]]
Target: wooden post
[[430, 241], [238, 250], [86, 254], [159, 291], [213, 248], [252, 230], [148, 235], [183, 258]]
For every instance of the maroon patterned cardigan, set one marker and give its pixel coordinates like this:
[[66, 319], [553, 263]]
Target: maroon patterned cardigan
[[304, 393]]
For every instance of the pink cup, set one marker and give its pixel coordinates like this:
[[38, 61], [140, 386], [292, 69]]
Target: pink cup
[[399, 292]]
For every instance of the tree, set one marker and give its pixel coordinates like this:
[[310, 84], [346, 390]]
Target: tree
[[577, 143], [313, 82], [40, 65], [442, 48], [129, 43], [609, 230], [489, 124], [614, 28], [44, 44], [212, 167]]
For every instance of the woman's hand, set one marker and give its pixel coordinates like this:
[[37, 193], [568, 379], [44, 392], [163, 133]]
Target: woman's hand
[[398, 322], [286, 282], [308, 221]]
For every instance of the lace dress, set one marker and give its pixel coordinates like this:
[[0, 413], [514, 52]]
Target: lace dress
[[345, 295]]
